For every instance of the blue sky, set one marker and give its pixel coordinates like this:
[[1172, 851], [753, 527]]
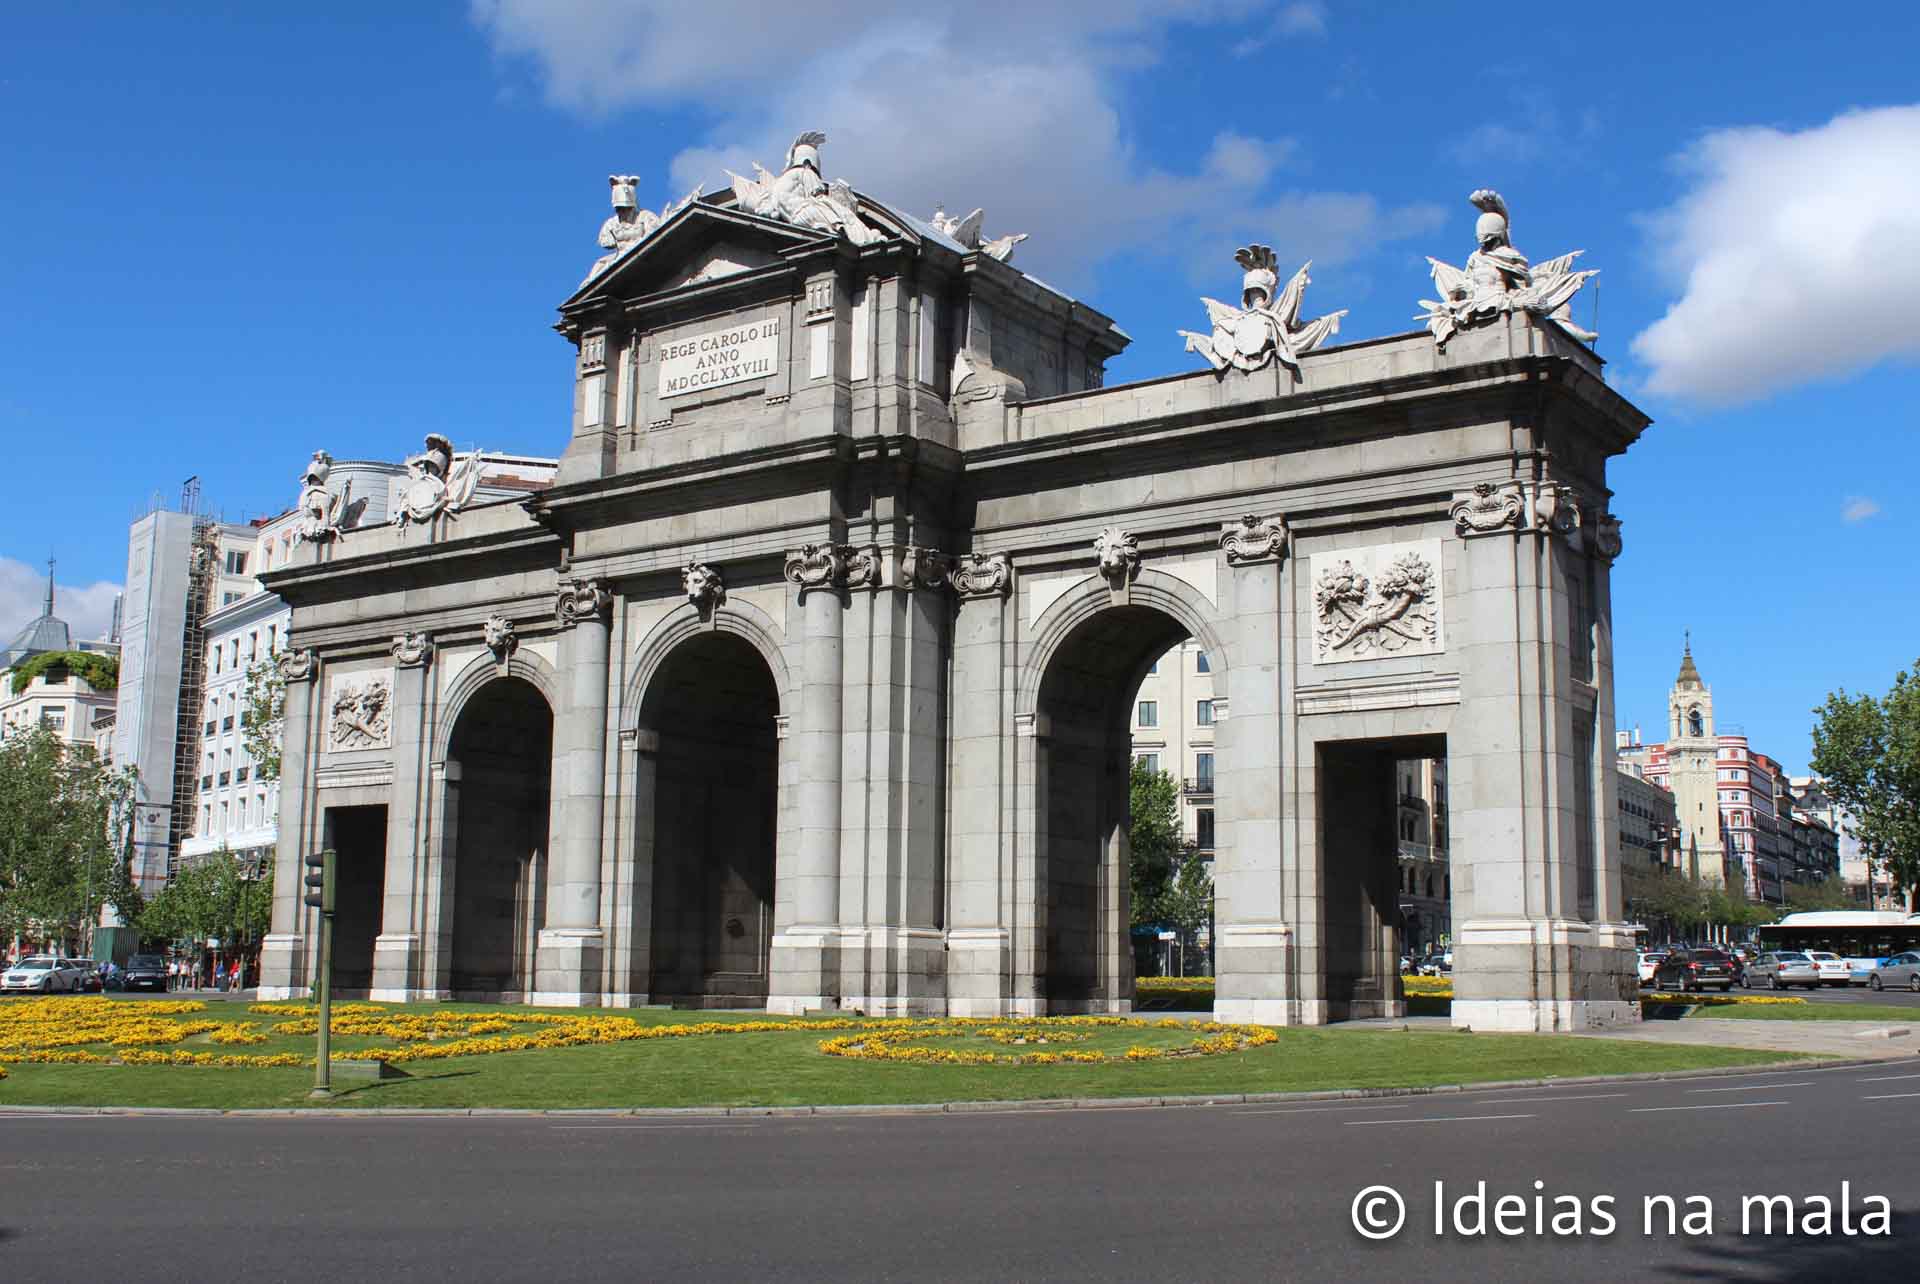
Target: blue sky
[[236, 233]]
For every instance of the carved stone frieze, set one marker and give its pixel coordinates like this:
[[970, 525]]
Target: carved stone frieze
[[360, 711], [1118, 552], [1492, 507], [1606, 535], [500, 638], [295, 665], [580, 600], [817, 566], [925, 568], [704, 587], [1379, 601], [866, 566], [1254, 538], [412, 650], [982, 575]]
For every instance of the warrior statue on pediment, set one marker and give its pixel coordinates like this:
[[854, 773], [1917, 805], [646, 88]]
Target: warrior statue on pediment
[[1498, 279], [800, 196], [628, 225]]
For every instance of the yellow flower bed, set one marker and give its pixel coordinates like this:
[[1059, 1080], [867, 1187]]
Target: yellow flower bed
[[1721, 1000], [1175, 984], [97, 1031], [901, 1041], [1429, 986]]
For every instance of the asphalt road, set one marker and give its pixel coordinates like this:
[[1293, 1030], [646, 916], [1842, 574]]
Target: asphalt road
[[1221, 1192]]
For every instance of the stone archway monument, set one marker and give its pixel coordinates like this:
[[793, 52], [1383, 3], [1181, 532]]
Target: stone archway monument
[[851, 552]]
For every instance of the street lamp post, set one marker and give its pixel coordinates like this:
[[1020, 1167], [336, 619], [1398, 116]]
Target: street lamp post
[[320, 896]]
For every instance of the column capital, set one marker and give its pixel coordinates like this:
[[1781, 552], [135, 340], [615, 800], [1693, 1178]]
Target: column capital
[[412, 650], [982, 575], [1255, 539], [1490, 509], [296, 665], [817, 566], [581, 600]]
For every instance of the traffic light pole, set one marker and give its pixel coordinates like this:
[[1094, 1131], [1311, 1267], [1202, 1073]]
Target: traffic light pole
[[320, 896]]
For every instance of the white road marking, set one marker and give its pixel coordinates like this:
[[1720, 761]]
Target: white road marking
[[1889, 1078], [1321, 1110], [1891, 1096], [670, 1127], [1436, 1119], [1725, 1105], [1530, 1101], [1758, 1087]]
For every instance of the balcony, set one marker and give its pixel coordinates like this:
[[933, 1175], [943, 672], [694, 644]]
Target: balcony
[[1198, 788]]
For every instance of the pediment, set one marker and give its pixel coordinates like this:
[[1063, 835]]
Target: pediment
[[701, 242]]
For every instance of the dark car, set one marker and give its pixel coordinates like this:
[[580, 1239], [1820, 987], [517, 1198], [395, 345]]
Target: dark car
[[1697, 969], [145, 972]]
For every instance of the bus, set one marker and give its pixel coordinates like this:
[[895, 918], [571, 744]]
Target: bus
[[1861, 937]]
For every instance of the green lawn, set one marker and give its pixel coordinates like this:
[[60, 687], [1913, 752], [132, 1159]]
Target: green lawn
[[1810, 1012], [787, 1068]]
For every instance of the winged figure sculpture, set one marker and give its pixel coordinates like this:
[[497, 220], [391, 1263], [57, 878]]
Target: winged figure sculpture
[[1263, 329]]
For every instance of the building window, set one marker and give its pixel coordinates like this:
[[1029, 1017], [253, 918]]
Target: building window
[[1203, 713], [1203, 771], [1203, 828], [1153, 668], [1200, 663], [236, 561], [1150, 762], [1149, 713]]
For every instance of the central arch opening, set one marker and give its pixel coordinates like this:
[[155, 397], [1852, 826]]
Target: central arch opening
[[500, 764], [714, 706], [1094, 718]]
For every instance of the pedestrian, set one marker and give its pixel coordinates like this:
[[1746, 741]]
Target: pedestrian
[[233, 981], [173, 973]]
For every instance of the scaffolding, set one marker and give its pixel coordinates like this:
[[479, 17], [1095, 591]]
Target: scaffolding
[[202, 575]]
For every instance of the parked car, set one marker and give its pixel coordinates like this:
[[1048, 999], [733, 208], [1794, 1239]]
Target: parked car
[[1649, 961], [145, 972], [1832, 968], [1695, 970], [1901, 969], [1437, 964], [43, 973], [1783, 968]]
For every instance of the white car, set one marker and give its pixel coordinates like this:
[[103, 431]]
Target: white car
[[42, 973], [1649, 960], [1833, 969]]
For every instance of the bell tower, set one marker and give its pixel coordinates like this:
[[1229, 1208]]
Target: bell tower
[[1693, 752]]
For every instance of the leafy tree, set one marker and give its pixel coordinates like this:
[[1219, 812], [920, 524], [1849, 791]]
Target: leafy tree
[[1187, 903], [1867, 751], [1829, 894], [1153, 839], [263, 714], [65, 828], [214, 898]]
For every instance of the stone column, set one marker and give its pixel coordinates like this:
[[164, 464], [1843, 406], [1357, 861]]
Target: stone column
[[283, 954], [980, 804], [1258, 943], [1524, 957], [567, 965], [804, 963], [397, 950]]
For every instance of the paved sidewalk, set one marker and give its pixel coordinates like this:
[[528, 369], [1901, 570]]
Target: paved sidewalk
[[1819, 1038]]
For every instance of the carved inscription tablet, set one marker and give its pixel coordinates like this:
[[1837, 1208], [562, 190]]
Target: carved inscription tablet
[[715, 358]]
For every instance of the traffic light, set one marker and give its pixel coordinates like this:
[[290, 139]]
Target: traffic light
[[320, 881]]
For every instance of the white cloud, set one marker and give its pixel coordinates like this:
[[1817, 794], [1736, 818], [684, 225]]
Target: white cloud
[[1858, 508], [1797, 256], [88, 610], [946, 108]]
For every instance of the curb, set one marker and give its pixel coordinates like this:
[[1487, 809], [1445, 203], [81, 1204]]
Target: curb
[[941, 1107]]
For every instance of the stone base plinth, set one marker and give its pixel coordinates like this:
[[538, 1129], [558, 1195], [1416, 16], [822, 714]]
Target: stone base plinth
[[893, 971], [283, 968], [1254, 976], [567, 965], [396, 968], [1543, 975], [804, 971], [979, 964]]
